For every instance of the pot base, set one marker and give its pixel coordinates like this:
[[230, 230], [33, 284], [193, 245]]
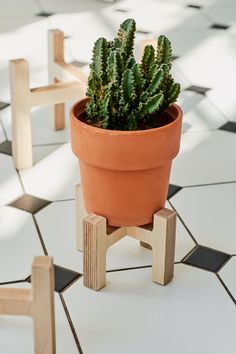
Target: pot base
[[105, 193]]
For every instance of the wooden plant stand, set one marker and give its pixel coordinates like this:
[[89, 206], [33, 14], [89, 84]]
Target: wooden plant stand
[[94, 238], [65, 82], [37, 303]]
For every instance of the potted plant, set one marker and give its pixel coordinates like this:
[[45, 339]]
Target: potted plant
[[127, 131]]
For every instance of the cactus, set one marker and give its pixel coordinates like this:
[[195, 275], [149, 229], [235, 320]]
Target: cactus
[[125, 95]]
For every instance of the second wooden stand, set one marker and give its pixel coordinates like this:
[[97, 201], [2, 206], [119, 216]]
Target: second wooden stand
[[94, 237]]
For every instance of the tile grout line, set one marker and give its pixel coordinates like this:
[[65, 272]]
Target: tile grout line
[[40, 235], [130, 268], [209, 184], [183, 223], [13, 282], [226, 288], [70, 323]]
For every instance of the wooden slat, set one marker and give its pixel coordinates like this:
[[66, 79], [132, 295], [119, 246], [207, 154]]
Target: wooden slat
[[51, 94], [15, 301], [43, 305]]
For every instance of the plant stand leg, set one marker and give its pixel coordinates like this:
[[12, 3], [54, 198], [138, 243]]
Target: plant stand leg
[[94, 252], [56, 54], [21, 117], [43, 305], [163, 246]]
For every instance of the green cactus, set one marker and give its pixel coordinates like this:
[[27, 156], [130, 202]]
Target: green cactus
[[125, 95]]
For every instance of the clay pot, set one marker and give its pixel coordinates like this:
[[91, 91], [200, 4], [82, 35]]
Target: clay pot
[[125, 174]]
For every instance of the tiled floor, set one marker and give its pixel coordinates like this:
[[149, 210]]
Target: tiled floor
[[196, 312]]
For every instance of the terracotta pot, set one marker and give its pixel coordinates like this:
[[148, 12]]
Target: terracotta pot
[[125, 174]]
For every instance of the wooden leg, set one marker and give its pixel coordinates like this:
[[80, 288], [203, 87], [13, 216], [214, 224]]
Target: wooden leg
[[95, 252], [80, 215], [21, 116], [56, 53], [43, 305], [163, 246]]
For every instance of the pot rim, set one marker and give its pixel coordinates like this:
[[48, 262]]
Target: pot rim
[[74, 109]]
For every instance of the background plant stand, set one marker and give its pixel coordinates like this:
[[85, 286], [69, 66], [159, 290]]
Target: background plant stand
[[37, 303], [94, 237]]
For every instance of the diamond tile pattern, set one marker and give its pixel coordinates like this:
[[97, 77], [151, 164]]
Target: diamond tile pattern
[[173, 189], [45, 14], [198, 89], [3, 105], [206, 258], [30, 203], [229, 127], [6, 148], [63, 278], [219, 26]]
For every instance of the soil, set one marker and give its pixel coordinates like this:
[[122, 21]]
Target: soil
[[160, 121]]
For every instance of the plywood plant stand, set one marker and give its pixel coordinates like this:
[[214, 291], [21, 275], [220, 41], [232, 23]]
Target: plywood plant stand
[[65, 82], [37, 303], [94, 238]]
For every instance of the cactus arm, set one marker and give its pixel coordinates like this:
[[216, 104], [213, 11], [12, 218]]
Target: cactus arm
[[156, 82], [128, 87], [148, 59], [151, 105], [164, 51]]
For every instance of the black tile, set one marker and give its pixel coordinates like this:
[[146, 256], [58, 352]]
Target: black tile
[[45, 14], [207, 258], [173, 189], [142, 32], [6, 148], [174, 57], [229, 127], [121, 10], [198, 7], [198, 89], [79, 64], [63, 277], [219, 26], [3, 105], [30, 203]]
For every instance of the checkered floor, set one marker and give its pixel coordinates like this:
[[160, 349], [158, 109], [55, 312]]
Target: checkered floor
[[195, 313]]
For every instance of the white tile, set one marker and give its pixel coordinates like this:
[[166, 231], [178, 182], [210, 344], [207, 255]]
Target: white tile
[[13, 22], [133, 315], [224, 99], [199, 113], [227, 273], [10, 186], [19, 243], [10, 8], [40, 152], [20, 329], [54, 177], [209, 213], [204, 158], [203, 64], [222, 13], [72, 6]]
